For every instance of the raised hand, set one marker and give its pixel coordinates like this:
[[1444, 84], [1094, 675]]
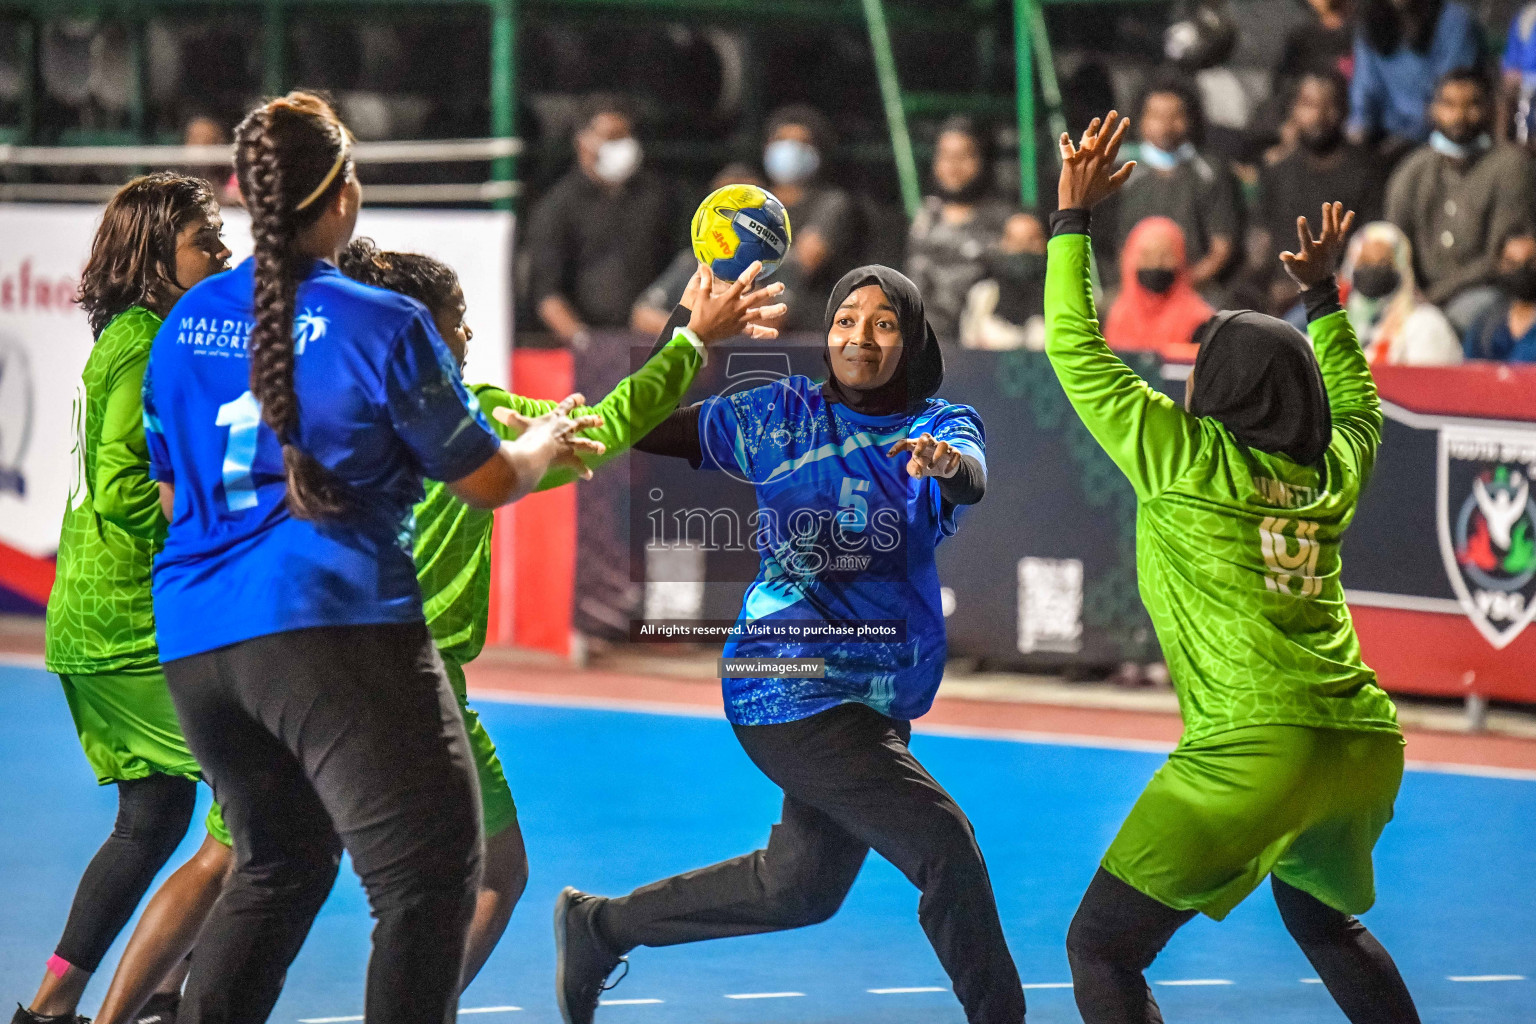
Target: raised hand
[[1317, 259], [554, 433], [929, 457], [719, 313], [1088, 174]]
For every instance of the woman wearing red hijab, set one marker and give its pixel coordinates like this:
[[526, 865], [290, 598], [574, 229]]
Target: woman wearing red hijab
[[1158, 309]]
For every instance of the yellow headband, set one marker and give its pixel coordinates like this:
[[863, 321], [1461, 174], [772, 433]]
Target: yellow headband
[[325, 182]]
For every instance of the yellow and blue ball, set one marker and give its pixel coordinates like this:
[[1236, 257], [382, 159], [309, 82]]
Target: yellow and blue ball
[[738, 224]]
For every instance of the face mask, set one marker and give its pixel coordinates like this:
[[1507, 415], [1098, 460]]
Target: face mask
[[1445, 146], [1377, 280], [971, 191], [617, 159], [1023, 267], [1155, 279], [1161, 159], [1322, 142], [1520, 283], [790, 161]]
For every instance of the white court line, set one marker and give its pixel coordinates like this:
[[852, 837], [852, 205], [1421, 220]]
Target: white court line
[[1194, 981], [904, 991], [765, 995], [627, 1002], [1053, 739], [1485, 977], [1310, 981], [327, 1020], [1048, 984], [490, 1009]]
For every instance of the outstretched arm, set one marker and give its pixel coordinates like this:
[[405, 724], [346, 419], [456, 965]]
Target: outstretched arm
[[1352, 397], [1150, 438], [712, 311]]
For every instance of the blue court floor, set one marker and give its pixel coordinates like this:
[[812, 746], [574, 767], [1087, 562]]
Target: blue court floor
[[613, 799]]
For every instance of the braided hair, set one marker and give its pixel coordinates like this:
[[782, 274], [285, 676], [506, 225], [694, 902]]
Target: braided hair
[[133, 256], [430, 282], [284, 150]]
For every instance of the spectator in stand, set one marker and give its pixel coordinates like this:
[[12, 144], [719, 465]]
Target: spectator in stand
[[956, 226], [1158, 308], [1175, 179], [1458, 196], [1322, 44], [822, 217], [1326, 42], [1517, 92], [1006, 308], [1508, 331], [1395, 324], [1324, 166], [601, 233], [656, 303], [1403, 48], [202, 130]]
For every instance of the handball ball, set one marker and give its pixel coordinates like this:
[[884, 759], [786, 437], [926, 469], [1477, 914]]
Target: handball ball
[[738, 224]]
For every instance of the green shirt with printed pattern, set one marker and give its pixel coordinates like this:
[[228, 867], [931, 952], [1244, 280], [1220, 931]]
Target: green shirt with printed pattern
[[101, 616], [1237, 550], [453, 541]]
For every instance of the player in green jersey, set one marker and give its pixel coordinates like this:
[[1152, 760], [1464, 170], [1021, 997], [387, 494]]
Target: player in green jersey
[[1291, 756], [453, 558], [159, 235]]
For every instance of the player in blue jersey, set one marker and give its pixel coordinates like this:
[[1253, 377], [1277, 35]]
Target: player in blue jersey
[[291, 414], [856, 480]]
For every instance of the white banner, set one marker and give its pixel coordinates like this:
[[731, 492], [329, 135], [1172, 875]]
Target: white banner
[[45, 338]]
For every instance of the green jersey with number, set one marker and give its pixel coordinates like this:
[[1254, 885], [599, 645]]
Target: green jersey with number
[[1237, 550], [453, 541], [101, 616]]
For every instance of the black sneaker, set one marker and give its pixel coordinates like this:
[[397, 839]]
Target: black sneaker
[[26, 1016], [161, 1009], [583, 960]]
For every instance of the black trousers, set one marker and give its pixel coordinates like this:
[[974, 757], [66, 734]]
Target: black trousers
[[850, 784], [320, 739], [152, 817], [1118, 931]]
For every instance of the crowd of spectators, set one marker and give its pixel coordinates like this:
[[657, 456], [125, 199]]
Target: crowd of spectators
[[1396, 107]]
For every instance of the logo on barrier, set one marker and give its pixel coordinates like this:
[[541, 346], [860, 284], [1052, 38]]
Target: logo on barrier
[[1487, 518], [15, 417]]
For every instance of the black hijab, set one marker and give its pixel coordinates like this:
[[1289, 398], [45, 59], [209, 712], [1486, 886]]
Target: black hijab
[[1257, 376], [920, 371]]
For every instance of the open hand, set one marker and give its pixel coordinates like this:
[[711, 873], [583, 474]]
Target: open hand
[[1317, 259], [718, 313], [929, 457], [556, 430], [1088, 174]]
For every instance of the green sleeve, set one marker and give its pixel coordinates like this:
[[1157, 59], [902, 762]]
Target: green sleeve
[[1351, 390], [122, 492], [630, 411], [1149, 437]]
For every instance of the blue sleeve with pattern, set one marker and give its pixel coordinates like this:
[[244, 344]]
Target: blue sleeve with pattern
[[429, 407]]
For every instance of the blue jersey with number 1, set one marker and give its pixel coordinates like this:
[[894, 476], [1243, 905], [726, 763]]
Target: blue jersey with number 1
[[380, 405]]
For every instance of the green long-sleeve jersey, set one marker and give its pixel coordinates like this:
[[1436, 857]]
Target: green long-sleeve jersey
[[453, 541], [1237, 550], [101, 617]]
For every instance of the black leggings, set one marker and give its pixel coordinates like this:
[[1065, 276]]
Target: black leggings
[[850, 785], [1118, 932], [320, 739], [152, 817]]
